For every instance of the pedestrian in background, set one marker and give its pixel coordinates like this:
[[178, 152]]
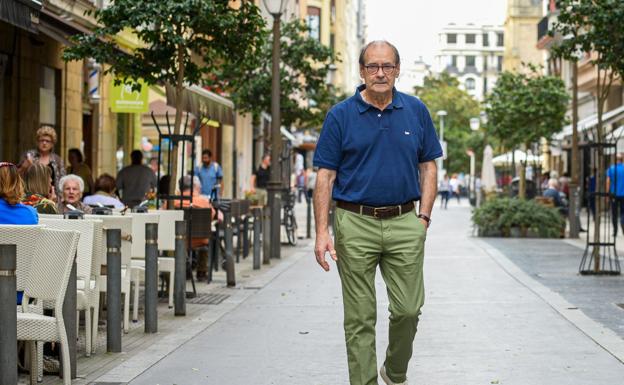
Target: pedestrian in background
[[135, 181], [77, 166], [615, 185], [376, 222], [444, 190], [310, 183], [260, 180], [210, 175], [44, 154], [454, 190]]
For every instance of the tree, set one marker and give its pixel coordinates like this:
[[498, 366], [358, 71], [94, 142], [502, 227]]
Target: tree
[[525, 107], [442, 92], [304, 65], [594, 27], [182, 42]]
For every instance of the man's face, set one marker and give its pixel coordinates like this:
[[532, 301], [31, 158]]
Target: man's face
[[206, 159], [380, 70], [267, 160]]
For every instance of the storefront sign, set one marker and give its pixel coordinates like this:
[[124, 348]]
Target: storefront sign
[[124, 99]]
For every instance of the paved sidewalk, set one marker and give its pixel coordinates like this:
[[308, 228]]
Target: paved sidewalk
[[485, 321]]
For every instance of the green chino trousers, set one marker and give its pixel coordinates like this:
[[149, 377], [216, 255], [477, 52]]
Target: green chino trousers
[[397, 246]]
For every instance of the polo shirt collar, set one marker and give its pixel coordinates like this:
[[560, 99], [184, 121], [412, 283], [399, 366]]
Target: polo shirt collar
[[363, 106]]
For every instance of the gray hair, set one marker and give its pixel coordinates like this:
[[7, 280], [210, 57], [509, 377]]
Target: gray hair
[[397, 58], [553, 183], [72, 177], [185, 182]]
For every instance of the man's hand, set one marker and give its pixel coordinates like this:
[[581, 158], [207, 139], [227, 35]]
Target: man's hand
[[324, 244], [424, 222]]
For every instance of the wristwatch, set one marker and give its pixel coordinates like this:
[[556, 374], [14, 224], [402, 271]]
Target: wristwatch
[[426, 218]]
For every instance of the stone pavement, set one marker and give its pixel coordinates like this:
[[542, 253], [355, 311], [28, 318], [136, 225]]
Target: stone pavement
[[485, 321]]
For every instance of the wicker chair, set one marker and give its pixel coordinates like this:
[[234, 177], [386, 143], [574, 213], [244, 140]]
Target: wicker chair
[[22, 237], [47, 281], [89, 255]]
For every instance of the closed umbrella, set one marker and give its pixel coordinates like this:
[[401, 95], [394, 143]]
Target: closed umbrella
[[488, 177]]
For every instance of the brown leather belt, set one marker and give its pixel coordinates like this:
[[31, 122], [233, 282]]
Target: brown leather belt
[[385, 212]]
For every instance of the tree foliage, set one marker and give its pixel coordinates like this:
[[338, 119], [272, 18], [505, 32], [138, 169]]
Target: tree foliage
[[182, 42], [523, 108], [305, 96], [443, 93], [207, 34]]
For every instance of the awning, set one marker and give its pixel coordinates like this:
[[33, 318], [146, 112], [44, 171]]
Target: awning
[[203, 103], [518, 156], [21, 13], [591, 121]]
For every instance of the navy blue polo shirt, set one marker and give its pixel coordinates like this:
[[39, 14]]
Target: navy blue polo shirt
[[376, 153]]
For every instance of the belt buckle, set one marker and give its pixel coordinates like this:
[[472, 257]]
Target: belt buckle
[[378, 209]]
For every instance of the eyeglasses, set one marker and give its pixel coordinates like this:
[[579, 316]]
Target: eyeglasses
[[7, 164], [372, 69], [45, 141]]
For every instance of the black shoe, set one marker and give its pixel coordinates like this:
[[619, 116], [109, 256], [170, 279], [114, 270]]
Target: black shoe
[[582, 230]]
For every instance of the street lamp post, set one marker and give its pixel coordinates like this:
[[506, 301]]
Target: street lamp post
[[275, 8], [474, 126], [441, 114]]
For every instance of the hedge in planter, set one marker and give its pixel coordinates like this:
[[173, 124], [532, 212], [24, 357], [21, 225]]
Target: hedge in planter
[[515, 217]]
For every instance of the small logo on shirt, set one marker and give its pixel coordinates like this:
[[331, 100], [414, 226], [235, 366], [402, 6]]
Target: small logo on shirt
[[407, 132]]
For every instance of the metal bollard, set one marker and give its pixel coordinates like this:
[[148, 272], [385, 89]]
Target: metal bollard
[[266, 236], [113, 290], [257, 216], [239, 243], [276, 233], [151, 277], [229, 250], [8, 316], [309, 217], [69, 315], [246, 236], [179, 283]]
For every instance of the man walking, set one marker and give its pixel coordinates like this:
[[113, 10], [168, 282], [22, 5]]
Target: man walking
[[615, 185], [136, 180], [210, 175], [376, 158]]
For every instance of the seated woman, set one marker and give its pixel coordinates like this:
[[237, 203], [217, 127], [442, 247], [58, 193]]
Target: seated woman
[[71, 187], [104, 193], [38, 185], [12, 212]]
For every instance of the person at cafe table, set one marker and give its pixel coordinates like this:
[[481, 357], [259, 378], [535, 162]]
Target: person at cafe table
[[71, 187]]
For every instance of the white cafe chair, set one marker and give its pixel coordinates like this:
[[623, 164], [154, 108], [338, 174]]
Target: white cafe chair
[[47, 280], [166, 242], [89, 255]]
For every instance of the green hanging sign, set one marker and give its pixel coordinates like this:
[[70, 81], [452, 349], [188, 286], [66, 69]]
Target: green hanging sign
[[124, 99]]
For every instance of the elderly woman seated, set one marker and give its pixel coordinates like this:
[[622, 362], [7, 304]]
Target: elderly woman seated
[[104, 193], [12, 212], [71, 187]]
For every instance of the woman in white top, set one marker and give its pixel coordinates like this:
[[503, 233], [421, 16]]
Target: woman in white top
[[104, 193]]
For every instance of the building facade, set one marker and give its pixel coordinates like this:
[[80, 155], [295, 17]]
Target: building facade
[[520, 33], [412, 75], [473, 54]]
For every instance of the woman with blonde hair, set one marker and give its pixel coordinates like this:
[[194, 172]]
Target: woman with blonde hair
[[44, 154], [38, 186], [12, 212]]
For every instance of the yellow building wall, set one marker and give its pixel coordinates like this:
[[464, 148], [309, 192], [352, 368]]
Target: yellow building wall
[[521, 35]]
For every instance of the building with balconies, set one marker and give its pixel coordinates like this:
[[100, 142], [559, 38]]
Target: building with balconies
[[473, 54]]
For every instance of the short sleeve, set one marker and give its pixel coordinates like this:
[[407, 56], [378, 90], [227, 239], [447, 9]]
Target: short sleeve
[[431, 148], [328, 151], [219, 171]]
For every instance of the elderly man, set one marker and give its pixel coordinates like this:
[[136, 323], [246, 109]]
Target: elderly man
[[376, 158], [553, 192]]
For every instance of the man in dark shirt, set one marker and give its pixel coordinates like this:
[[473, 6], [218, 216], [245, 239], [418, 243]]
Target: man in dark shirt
[[552, 192], [136, 180], [260, 179], [376, 158]]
